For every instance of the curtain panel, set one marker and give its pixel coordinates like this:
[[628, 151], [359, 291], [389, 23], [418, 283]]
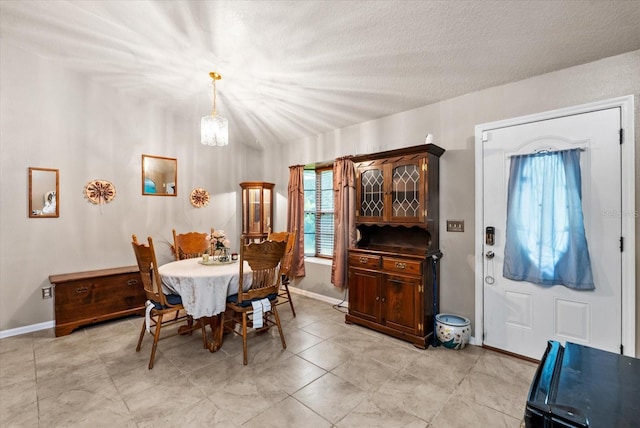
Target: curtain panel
[[295, 218], [545, 237], [344, 207]]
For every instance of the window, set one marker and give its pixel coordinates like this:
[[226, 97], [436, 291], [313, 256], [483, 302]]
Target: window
[[545, 239], [318, 212]]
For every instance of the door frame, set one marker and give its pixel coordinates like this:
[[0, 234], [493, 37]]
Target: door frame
[[628, 210]]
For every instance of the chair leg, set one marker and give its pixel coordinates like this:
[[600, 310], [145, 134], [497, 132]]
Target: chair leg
[[142, 332], [204, 334], [156, 337], [286, 288], [277, 317], [244, 338]]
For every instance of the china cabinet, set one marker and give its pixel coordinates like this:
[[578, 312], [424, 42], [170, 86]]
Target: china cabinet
[[257, 210], [393, 266]]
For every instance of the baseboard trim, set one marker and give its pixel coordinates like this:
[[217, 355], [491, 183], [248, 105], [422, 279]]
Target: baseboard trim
[[317, 296], [51, 324], [27, 329]]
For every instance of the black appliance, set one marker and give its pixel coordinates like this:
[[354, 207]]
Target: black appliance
[[580, 386]]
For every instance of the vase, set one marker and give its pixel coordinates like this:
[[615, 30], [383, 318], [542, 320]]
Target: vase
[[223, 255], [453, 331]]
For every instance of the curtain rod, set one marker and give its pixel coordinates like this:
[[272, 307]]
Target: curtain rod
[[545, 151]]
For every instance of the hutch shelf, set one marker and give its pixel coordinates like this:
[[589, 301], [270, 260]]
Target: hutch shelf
[[393, 264]]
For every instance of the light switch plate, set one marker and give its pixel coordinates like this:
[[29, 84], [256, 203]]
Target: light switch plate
[[46, 293], [455, 225]]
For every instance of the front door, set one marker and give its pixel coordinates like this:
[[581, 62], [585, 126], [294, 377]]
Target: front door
[[519, 317]]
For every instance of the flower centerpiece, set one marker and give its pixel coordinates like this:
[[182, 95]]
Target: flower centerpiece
[[219, 245]]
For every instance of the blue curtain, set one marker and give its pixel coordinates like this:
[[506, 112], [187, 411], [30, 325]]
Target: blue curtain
[[545, 238]]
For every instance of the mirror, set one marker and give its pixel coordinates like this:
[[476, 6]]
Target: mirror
[[43, 193], [159, 176]]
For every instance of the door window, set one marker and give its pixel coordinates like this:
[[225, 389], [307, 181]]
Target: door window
[[545, 237]]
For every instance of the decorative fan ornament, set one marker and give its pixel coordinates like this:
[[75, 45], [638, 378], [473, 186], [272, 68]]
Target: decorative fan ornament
[[100, 191], [199, 197]]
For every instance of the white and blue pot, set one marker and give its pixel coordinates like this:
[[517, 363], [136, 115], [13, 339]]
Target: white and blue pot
[[453, 331]]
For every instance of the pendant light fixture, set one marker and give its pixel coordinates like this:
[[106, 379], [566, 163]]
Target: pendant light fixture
[[214, 129]]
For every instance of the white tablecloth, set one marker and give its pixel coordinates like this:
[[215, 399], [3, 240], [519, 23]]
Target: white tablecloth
[[203, 288]]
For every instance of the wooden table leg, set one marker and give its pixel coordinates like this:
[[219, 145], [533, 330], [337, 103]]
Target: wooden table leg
[[216, 323], [189, 328]]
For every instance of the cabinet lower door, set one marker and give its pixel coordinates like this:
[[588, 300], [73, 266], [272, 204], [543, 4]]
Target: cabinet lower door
[[399, 303], [364, 300]]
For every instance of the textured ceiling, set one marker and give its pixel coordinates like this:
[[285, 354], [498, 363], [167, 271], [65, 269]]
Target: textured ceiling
[[292, 69]]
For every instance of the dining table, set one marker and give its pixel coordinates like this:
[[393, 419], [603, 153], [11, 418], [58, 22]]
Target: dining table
[[204, 287]]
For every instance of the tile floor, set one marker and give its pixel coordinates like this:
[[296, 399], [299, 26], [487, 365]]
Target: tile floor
[[330, 375]]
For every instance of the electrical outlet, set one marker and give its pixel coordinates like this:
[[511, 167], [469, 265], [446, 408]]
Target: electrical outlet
[[455, 225], [46, 293]]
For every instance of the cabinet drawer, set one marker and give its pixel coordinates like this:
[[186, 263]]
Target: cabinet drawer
[[93, 297], [411, 267], [364, 261]]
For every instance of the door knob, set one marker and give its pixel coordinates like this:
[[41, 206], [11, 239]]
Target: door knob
[[490, 254]]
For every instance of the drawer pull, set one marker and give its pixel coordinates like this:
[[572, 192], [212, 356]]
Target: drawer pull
[[132, 282], [82, 290], [401, 265], [364, 260]]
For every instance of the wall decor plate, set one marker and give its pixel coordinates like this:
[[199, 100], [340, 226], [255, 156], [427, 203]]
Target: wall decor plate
[[199, 197], [100, 191]]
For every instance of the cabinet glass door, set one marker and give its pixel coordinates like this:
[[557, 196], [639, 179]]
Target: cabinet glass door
[[257, 210], [266, 215], [405, 191], [372, 188], [254, 212]]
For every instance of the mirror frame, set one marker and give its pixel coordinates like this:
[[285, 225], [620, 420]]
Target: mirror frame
[[168, 167], [36, 184]]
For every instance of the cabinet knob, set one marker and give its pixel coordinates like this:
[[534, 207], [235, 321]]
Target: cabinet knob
[[377, 298], [80, 290], [401, 265], [363, 260], [132, 282]]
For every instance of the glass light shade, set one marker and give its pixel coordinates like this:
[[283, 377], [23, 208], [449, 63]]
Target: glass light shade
[[214, 130]]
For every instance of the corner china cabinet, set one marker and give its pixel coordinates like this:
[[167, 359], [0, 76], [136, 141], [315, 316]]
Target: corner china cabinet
[[257, 210], [393, 266]]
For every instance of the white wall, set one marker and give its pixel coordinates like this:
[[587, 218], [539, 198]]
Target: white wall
[[452, 123], [54, 118]]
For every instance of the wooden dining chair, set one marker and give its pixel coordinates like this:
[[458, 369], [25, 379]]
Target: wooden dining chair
[[159, 305], [189, 245], [285, 265], [264, 260]]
